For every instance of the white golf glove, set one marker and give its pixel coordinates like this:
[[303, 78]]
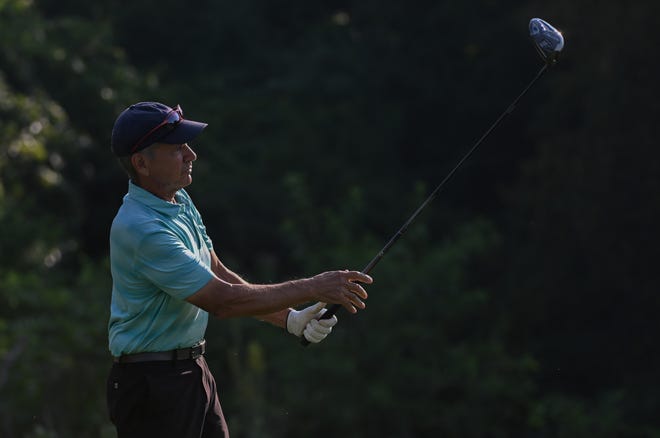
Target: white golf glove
[[306, 322]]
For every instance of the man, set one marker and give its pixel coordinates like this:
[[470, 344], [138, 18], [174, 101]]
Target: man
[[167, 278]]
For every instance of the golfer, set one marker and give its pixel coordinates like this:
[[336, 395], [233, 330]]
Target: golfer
[[167, 278]]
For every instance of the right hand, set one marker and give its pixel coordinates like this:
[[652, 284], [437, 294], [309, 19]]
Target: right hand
[[341, 287]]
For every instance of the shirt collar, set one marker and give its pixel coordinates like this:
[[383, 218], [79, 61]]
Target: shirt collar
[[152, 201]]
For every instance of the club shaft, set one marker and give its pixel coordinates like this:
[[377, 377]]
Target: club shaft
[[331, 310]]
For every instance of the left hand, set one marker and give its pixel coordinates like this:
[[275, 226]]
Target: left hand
[[307, 322]]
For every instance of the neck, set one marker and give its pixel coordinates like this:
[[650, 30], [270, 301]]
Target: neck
[[164, 193]]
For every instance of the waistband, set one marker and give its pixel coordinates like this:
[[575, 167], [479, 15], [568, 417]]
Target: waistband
[[193, 352]]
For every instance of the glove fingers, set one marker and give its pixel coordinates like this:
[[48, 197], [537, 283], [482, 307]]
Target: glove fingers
[[330, 322], [318, 311], [314, 337], [316, 326], [315, 309], [315, 329], [315, 332]]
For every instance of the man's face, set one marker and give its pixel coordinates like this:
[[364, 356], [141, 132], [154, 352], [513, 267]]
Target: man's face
[[170, 165]]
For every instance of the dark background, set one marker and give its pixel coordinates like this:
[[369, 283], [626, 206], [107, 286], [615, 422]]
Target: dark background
[[522, 303]]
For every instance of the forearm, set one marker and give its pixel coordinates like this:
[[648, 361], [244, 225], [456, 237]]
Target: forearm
[[277, 318], [266, 301]]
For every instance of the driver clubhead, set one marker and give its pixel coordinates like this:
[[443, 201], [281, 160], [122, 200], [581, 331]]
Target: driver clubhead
[[548, 41]]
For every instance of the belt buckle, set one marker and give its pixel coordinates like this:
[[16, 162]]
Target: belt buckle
[[193, 352], [197, 350]]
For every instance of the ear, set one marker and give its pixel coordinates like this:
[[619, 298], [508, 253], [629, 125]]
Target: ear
[[140, 163]]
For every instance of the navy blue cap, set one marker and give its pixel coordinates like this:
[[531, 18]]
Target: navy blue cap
[[138, 120]]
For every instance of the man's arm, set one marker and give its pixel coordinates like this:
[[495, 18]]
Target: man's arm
[[223, 272], [224, 299], [277, 318]]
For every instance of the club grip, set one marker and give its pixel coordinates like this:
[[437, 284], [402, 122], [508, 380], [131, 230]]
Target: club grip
[[329, 313]]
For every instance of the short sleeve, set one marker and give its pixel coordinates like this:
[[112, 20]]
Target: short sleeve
[[165, 261]]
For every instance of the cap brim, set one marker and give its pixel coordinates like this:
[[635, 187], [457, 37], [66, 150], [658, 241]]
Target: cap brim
[[184, 132]]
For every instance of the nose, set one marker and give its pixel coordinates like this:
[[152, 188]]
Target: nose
[[188, 153]]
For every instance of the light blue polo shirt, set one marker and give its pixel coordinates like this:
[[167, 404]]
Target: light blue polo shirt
[[159, 256]]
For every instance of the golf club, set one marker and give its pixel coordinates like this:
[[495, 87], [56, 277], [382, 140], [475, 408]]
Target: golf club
[[549, 42]]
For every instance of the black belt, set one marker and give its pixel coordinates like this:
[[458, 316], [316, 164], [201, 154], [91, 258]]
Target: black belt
[[193, 352]]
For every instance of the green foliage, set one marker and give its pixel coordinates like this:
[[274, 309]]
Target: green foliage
[[53, 347]]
